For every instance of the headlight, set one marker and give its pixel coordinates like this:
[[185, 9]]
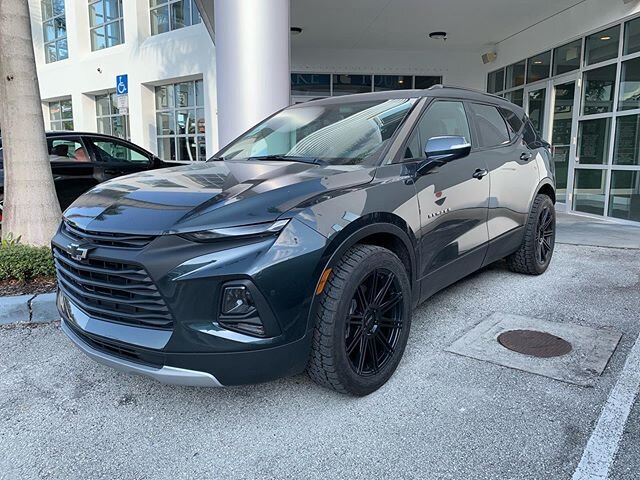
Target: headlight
[[255, 230]]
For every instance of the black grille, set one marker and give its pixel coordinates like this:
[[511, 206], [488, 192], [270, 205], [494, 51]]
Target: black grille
[[102, 239], [112, 291]]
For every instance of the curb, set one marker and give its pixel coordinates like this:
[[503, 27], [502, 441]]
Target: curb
[[39, 308]]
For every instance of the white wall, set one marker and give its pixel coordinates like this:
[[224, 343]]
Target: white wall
[[457, 67], [562, 28], [187, 53]]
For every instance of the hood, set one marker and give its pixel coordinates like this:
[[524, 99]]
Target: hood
[[203, 195]]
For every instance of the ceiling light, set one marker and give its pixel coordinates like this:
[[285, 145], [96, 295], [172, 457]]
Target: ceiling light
[[605, 38], [537, 62], [296, 30], [438, 35]]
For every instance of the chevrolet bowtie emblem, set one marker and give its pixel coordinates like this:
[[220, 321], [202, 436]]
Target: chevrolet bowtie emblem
[[78, 252]]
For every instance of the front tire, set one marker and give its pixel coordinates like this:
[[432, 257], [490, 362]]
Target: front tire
[[362, 323], [534, 255]]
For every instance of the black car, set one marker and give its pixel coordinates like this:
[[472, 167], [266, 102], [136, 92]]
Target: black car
[[81, 160], [307, 242]]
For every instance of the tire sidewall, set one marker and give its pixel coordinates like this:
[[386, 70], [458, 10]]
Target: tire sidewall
[[546, 202]]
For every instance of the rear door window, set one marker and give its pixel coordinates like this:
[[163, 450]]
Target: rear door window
[[67, 150], [111, 151], [491, 126]]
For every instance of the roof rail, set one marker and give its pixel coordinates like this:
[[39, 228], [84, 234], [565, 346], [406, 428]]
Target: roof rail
[[454, 87]]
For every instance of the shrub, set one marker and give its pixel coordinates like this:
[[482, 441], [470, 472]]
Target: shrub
[[24, 262]]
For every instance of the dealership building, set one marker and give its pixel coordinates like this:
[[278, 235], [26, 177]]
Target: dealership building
[[199, 72]]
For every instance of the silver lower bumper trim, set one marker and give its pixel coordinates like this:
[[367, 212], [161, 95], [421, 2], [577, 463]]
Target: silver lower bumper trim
[[168, 375]]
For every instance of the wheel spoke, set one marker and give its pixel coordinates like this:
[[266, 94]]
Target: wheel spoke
[[374, 287], [362, 298], [355, 340], [374, 353], [363, 354], [390, 323], [354, 320], [385, 343], [385, 289], [388, 305]]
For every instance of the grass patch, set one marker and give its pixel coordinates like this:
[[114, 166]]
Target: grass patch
[[24, 262]]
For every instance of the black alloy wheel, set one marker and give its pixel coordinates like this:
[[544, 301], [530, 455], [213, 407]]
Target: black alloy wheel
[[362, 321], [545, 234], [538, 242], [374, 322]]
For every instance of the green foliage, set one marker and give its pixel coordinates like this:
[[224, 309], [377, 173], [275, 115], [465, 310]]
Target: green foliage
[[24, 262], [9, 240]]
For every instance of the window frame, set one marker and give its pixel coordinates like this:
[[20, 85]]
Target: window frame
[[45, 18], [119, 20], [160, 4], [70, 138], [477, 147], [420, 112]]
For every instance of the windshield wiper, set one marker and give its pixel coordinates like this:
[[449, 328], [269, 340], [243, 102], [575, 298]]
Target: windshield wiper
[[289, 158]]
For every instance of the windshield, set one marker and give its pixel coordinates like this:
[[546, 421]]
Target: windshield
[[349, 133]]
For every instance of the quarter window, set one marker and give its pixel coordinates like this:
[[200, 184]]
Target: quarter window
[[492, 129], [54, 26]]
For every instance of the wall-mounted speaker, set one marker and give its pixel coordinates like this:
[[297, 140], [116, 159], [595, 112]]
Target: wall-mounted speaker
[[489, 57]]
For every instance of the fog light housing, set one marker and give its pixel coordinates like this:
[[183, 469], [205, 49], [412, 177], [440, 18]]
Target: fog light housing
[[236, 300], [239, 310]]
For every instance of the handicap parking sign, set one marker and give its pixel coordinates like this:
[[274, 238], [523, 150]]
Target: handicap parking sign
[[122, 84]]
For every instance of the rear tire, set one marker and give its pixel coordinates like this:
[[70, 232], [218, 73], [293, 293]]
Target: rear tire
[[534, 255], [362, 323]]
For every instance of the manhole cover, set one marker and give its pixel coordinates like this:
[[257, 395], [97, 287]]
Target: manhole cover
[[537, 344]]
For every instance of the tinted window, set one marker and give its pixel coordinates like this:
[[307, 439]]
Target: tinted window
[[108, 151], [514, 122], [492, 128], [529, 135], [441, 119], [64, 150]]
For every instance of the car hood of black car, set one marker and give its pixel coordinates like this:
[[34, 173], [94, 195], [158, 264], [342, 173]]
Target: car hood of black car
[[205, 195]]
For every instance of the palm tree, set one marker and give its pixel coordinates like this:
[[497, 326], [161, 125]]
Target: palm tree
[[31, 210]]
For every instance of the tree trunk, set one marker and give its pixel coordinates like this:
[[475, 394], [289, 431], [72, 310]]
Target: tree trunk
[[31, 209]]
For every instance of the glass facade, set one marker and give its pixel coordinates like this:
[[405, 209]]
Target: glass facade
[[61, 115], [180, 121], [106, 25], [168, 15], [593, 86], [308, 86], [54, 26], [110, 120]]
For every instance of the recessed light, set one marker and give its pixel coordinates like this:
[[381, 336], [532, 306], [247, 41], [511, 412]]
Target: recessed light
[[537, 62], [605, 38], [296, 30], [438, 35]]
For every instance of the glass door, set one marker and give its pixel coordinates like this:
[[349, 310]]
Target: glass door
[[536, 107], [564, 116]]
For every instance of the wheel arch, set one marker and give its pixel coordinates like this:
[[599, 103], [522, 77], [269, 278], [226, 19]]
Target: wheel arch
[[382, 229]]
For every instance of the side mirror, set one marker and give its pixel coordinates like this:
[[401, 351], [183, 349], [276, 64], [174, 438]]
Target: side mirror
[[440, 150], [447, 148]]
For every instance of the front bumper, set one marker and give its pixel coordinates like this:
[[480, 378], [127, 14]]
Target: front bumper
[[165, 374], [195, 349]]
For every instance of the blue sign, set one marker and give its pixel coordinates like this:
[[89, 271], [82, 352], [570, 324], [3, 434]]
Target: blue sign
[[122, 84]]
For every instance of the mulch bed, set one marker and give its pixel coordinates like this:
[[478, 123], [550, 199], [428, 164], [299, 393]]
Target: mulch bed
[[30, 287]]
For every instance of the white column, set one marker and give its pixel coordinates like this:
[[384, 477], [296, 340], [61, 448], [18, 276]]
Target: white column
[[252, 62]]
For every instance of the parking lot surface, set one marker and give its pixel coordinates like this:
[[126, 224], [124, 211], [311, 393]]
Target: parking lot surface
[[440, 416]]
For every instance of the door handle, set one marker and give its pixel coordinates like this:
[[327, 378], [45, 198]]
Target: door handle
[[479, 173], [526, 156]]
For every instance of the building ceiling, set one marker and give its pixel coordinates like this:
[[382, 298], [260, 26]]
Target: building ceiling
[[405, 24]]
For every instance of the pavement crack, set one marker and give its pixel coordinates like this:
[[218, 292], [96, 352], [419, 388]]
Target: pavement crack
[[30, 307]]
